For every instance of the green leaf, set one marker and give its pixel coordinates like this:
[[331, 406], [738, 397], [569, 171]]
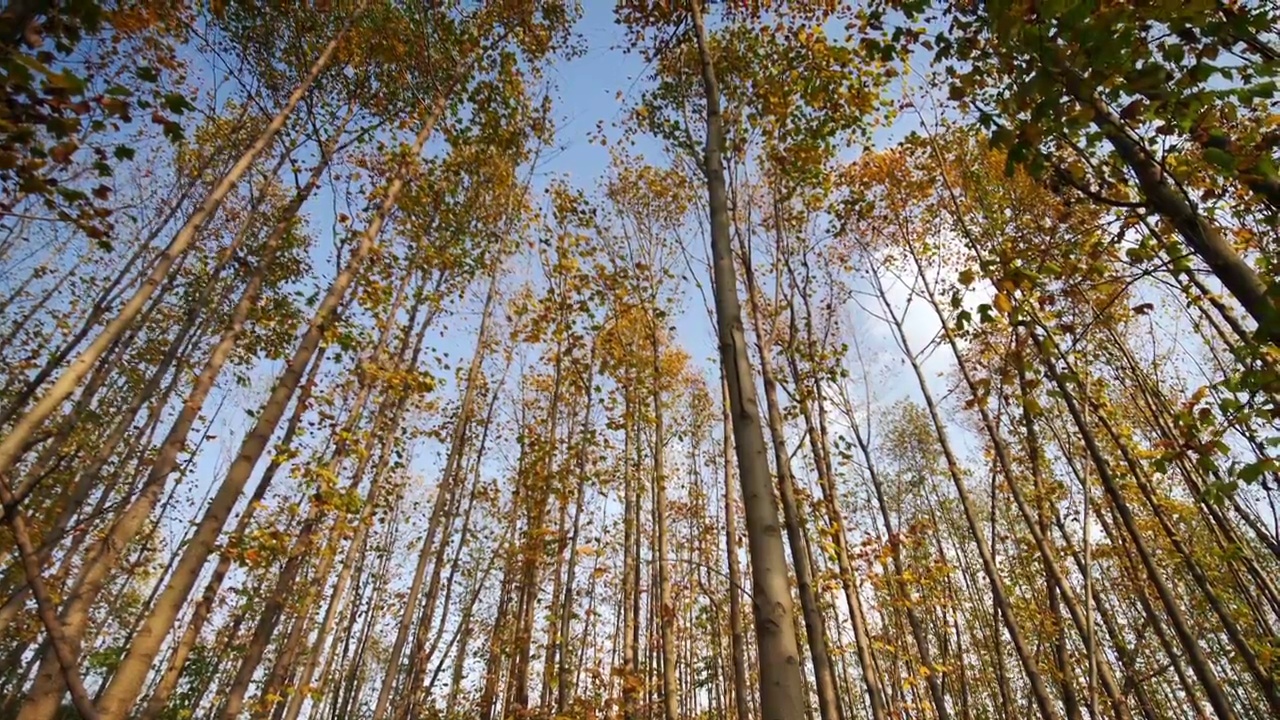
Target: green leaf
[[1221, 158], [67, 81], [1266, 167], [71, 194], [1053, 8], [177, 103], [1264, 90], [173, 131]]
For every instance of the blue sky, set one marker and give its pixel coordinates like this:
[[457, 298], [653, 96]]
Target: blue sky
[[588, 88]]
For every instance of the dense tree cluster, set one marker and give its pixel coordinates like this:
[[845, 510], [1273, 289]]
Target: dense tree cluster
[[318, 399]]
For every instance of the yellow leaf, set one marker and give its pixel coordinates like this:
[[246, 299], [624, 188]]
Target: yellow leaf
[[1001, 303]]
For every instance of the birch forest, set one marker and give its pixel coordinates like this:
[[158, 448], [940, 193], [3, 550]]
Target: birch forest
[[640, 359]]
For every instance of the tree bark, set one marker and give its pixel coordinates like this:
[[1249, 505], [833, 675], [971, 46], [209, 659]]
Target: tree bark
[[1172, 203], [736, 641], [666, 605], [815, 628], [781, 689]]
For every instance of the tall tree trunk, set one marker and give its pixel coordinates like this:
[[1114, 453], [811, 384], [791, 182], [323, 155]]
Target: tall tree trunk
[[131, 673], [386, 423], [555, 610], [1201, 235], [564, 680], [1035, 459], [493, 665], [630, 558], [666, 605], [933, 677], [355, 555], [1035, 521], [736, 642], [1262, 676], [534, 550], [781, 690], [815, 630], [819, 446], [177, 660]]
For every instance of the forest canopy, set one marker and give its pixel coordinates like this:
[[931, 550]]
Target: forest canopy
[[678, 360]]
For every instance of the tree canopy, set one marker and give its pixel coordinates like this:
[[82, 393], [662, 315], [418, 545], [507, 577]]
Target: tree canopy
[[868, 359]]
